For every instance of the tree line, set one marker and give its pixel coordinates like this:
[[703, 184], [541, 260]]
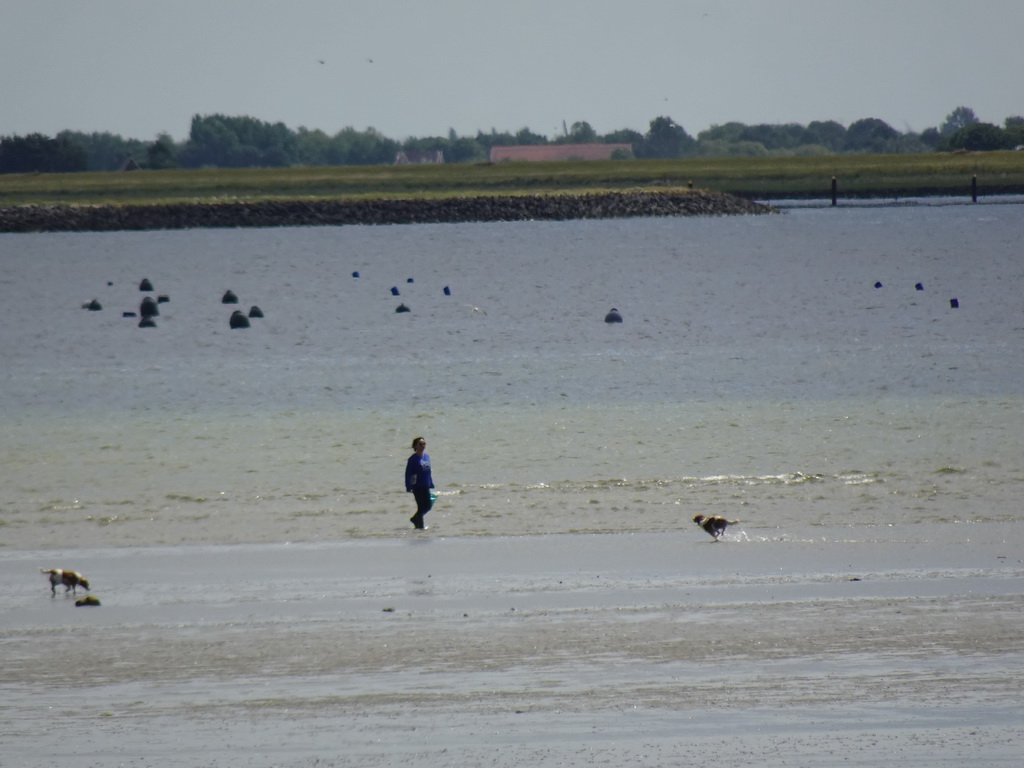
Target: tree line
[[223, 141]]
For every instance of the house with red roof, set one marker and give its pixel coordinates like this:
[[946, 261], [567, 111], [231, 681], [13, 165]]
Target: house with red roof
[[540, 153]]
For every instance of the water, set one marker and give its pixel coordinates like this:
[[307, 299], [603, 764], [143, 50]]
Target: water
[[236, 496], [758, 374]]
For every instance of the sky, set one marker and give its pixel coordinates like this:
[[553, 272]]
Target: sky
[[140, 68]]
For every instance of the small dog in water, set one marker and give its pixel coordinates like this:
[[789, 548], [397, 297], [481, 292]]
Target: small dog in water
[[71, 580], [714, 525]]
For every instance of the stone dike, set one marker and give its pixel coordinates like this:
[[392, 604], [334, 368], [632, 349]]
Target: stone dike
[[296, 213]]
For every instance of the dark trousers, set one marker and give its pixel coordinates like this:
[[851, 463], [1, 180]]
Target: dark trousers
[[423, 505]]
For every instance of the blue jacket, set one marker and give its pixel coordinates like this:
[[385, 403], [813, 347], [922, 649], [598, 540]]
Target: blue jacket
[[417, 472]]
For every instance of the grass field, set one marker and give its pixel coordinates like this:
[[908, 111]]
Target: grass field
[[760, 178]]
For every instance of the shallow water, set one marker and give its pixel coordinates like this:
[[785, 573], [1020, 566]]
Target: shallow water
[[758, 374], [235, 495]]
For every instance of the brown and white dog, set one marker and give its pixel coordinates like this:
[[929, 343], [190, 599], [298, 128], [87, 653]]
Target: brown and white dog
[[714, 525], [71, 580]]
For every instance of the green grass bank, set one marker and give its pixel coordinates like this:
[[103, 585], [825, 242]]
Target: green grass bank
[[759, 178]]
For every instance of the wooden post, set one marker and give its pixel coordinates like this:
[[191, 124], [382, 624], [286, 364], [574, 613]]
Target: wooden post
[[974, 188], [833, 191]]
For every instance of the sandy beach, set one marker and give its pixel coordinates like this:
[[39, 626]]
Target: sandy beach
[[649, 649]]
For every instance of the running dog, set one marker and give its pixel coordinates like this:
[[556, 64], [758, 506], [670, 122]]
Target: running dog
[[71, 580], [714, 525]]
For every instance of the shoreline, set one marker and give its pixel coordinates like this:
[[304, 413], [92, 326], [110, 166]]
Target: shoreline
[[482, 208]]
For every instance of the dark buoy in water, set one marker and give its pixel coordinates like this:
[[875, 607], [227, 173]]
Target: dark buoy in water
[[355, 274], [238, 320], [128, 314], [878, 285], [145, 285], [148, 308], [447, 291], [954, 303], [918, 286], [229, 298], [613, 316], [409, 280], [147, 322], [255, 311], [394, 290], [402, 308], [93, 306], [162, 299]]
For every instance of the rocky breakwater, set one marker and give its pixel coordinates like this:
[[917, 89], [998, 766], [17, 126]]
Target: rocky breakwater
[[551, 207]]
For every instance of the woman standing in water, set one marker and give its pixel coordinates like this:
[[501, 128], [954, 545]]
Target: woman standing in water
[[418, 481]]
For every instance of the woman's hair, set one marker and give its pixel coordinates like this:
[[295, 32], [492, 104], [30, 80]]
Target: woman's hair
[[416, 440]]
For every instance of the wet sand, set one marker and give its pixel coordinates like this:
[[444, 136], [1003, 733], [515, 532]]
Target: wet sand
[[569, 650]]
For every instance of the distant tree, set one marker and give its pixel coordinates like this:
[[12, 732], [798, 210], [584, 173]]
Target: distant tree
[[979, 137], [828, 133], [369, 147], [579, 133], [786, 136], [723, 148], [495, 139], [104, 151], [465, 150], [727, 132], [160, 155], [526, 137], [40, 154], [870, 135], [930, 137], [666, 139], [237, 142], [959, 118], [314, 148], [625, 136]]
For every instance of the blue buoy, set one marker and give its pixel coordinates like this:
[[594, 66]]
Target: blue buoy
[[613, 316], [954, 303], [878, 285], [355, 274], [918, 286], [447, 291], [394, 290], [409, 280]]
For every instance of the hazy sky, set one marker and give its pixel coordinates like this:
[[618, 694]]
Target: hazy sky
[[420, 68]]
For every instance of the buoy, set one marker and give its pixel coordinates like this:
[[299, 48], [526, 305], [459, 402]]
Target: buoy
[[162, 299], [229, 298], [394, 290], [409, 280], [918, 286], [613, 316], [402, 308], [145, 285], [954, 303], [128, 314], [238, 320], [147, 322], [355, 274], [148, 308], [447, 291], [878, 285], [255, 311], [93, 306]]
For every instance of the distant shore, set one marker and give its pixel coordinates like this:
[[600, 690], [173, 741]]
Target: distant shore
[[476, 208]]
